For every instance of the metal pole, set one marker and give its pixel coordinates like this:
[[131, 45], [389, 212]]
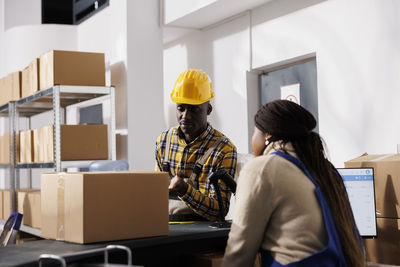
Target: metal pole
[[56, 128], [12, 147], [112, 140]]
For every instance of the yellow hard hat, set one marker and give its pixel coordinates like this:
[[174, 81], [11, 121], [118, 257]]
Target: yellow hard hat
[[192, 87]]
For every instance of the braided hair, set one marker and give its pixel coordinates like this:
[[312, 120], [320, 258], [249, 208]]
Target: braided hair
[[286, 121]]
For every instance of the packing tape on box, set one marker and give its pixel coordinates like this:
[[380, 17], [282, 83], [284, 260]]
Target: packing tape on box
[[383, 157], [60, 206]]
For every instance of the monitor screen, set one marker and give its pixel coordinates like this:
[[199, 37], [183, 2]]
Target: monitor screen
[[359, 183]]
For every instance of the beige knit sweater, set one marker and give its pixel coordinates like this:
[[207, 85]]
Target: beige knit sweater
[[276, 210]]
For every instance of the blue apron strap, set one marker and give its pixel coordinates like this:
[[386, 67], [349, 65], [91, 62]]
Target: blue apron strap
[[332, 254]]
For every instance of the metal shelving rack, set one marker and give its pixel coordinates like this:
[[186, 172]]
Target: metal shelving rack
[[54, 98]]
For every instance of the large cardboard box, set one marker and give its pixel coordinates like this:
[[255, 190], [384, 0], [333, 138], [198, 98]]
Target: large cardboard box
[[386, 247], [387, 181], [30, 79], [26, 146], [104, 206], [29, 205], [71, 68], [78, 142]]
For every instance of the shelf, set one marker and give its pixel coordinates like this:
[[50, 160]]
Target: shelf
[[43, 100], [24, 228], [31, 230], [4, 110], [4, 166], [50, 165]]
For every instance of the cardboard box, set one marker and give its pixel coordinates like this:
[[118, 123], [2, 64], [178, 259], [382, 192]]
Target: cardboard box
[[30, 79], [3, 92], [26, 146], [5, 149], [1, 205], [71, 68], [29, 205], [6, 204], [10, 88], [37, 147], [387, 181], [104, 206], [386, 247], [78, 142]]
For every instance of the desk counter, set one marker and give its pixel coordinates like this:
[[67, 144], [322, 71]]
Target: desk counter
[[183, 239]]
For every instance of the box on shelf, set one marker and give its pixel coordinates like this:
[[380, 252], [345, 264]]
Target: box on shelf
[[71, 68], [3, 93], [29, 205], [104, 206], [37, 146], [30, 79], [78, 142], [387, 181], [6, 204], [26, 146], [10, 87], [1, 205], [5, 149], [385, 248]]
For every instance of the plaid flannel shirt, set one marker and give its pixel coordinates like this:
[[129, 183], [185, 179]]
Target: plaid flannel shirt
[[200, 197]]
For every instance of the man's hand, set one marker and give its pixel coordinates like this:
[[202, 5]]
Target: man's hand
[[178, 185]]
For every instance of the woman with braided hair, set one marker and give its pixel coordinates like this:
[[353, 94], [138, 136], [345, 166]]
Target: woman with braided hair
[[291, 204]]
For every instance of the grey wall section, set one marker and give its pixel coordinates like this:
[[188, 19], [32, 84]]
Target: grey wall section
[[145, 82], [303, 73]]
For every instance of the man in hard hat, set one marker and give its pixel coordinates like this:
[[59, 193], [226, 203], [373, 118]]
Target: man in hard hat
[[194, 150]]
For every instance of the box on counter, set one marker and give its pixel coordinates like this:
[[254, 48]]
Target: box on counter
[[386, 247], [29, 205], [91, 207], [78, 142], [387, 181], [30, 79], [26, 148], [71, 68]]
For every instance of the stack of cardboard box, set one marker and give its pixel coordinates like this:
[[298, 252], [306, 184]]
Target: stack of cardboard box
[[78, 142], [386, 247]]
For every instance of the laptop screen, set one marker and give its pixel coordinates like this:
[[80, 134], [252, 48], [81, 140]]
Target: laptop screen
[[359, 183]]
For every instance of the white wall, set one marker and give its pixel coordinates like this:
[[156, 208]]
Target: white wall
[[106, 32], [145, 75], [358, 61], [223, 53]]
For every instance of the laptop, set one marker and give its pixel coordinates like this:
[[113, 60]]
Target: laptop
[[359, 183]]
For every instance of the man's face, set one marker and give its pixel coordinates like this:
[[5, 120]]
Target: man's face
[[192, 119]]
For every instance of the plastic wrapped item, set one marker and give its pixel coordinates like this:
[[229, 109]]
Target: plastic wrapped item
[[108, 165]]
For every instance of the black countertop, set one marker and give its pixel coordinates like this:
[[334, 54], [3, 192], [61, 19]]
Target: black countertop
[[152, 251]]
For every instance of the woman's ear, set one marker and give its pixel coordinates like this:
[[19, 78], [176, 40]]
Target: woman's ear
[[209, 109]]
